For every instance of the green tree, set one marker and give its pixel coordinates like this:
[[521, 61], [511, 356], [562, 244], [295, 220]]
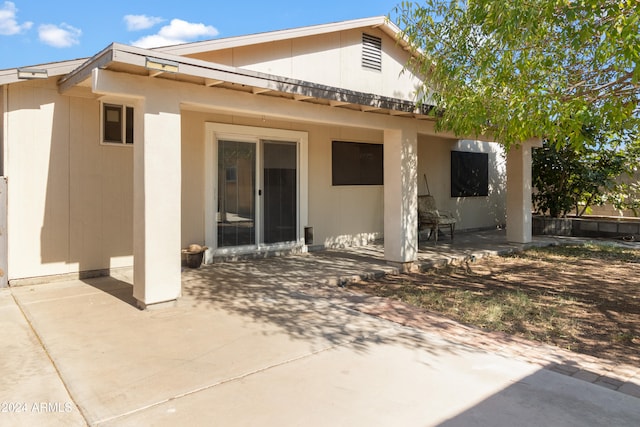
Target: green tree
[[517, 69], [626, 192], [568, 178]]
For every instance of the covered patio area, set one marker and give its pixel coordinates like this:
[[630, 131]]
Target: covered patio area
[[335, 267]]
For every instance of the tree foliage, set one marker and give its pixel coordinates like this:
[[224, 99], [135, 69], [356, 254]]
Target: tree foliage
[[626, 193], [517, 69], [572, 179]]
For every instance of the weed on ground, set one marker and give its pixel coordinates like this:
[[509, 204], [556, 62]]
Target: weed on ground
[[584, 298]]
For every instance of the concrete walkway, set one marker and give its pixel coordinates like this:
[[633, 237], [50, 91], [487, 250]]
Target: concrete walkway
[[275, 342]]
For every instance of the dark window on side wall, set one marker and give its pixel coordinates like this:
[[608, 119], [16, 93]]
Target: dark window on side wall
[[117, 124], [469, 174], [355, 163], [112, 117], [129, 125]]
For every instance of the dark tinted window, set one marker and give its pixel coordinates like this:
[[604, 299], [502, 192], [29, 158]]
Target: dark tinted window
[[112, 118], [357, 163], [469, 174], [129, 125]]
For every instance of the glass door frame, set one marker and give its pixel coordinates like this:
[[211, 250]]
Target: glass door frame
[[254, 199], [218, 131]]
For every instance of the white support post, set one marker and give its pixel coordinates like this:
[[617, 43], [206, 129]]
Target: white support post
[[157, 204], [519, 192], [401, 196]]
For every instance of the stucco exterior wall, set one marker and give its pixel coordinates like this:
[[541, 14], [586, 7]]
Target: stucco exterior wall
[[434, 160], [347, 215], [70, 198], [339, 215], [342, 215], [332, 59]]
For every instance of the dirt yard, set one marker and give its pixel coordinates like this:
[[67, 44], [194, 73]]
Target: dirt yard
[[582, 298]]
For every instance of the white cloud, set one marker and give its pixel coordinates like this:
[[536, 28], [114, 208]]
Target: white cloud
[[62, 35], [141, 22], [177, 32], [8, 24]]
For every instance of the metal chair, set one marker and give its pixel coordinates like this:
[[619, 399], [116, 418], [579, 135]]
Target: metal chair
[[430, 217]]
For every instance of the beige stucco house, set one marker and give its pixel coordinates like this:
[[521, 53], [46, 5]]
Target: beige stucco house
[[244, 144]]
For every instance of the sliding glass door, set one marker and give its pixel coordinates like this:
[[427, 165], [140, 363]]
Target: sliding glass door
[[280, 184], [236, 216], [257, 193]]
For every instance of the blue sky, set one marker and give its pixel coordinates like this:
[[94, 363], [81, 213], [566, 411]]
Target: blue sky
[[36, 32]]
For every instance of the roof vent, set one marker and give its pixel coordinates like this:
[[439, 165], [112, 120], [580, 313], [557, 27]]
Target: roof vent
[[371, 52]]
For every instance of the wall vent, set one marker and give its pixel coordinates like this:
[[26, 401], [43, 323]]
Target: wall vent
[[371, 52]]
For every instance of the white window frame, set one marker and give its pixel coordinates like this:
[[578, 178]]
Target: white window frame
[[220, 131], [123, 106]]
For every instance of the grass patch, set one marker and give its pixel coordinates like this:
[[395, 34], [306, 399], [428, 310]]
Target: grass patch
[[600, 251], [584, 298], [506, 310]]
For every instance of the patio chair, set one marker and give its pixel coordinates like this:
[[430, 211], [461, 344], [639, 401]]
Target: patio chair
[[430, 217]]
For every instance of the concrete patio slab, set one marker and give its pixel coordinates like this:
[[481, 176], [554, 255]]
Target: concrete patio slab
[[116, 358], [31, 392], [395, 384], [272, 342]]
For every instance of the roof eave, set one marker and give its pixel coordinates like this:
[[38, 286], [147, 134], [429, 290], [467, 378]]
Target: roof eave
[[118, 53], [99, 60], [54, 69]]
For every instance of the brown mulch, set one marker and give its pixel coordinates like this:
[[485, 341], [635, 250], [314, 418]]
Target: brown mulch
[[594, 300]]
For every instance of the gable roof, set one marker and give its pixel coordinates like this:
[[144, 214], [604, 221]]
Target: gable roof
[[63, 67], [380, 22], [134, 60]]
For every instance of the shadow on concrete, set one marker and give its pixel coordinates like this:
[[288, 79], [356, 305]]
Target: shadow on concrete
[[545, 398], [115, 287], [301, 295]]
